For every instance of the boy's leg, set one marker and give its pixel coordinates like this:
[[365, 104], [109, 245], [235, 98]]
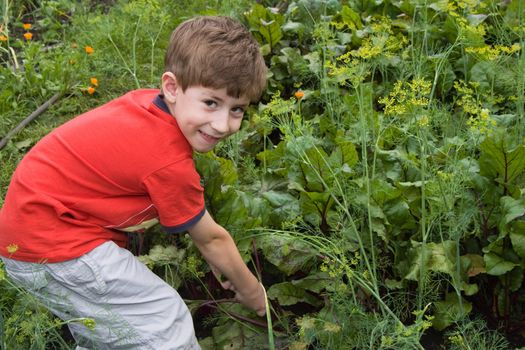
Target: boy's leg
[[132, 308]]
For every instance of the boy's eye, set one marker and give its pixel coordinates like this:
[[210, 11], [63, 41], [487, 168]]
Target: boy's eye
[[238, 110], [210, 103]]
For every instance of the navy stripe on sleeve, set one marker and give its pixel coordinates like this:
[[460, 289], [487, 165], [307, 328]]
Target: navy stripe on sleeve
[[186, 225]]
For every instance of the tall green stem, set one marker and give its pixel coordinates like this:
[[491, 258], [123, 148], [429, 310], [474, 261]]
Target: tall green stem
[[364, 154]]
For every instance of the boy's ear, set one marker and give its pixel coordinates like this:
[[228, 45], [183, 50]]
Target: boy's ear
[[170, 86]]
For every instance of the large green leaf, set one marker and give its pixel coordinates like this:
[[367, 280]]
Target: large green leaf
[[314, 282], [229, 336], [496, 265], [399, 216], [449, 311], [288, 293], [287, 253], [344, 156], [512, 208], [215, 172], [266, 24], [473, 264], [316, 169], [500, 162], [517, 237], [228, 208], [438, 257], [514, 280], [351, 18]]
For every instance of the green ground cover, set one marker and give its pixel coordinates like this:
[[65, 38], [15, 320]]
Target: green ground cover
[[377, 190]]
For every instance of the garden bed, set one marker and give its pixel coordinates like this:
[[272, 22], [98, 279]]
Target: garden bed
[[377, 189]]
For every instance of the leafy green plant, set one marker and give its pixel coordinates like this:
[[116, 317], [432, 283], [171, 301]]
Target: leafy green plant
[[378, 188]]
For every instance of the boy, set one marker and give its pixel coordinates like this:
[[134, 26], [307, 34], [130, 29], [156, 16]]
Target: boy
[[120, 168]]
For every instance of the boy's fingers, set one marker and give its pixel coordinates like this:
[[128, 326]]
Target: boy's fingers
[[228, 285], [215, 272], [261, 312]]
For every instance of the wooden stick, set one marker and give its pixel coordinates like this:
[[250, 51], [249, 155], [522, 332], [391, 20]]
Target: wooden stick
[[27, 120]]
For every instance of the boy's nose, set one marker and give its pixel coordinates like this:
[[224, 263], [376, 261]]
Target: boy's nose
[[220, 122]]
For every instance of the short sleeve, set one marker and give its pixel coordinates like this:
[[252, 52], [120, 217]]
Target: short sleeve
[[177, 194]]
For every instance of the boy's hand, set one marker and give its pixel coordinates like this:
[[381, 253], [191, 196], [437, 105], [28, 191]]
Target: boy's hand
[[255, 299], [218, 275], [218, 248]]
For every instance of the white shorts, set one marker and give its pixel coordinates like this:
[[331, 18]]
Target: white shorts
[[132, 308]]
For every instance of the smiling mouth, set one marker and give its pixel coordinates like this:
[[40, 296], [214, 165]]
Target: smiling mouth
[[209, 138]]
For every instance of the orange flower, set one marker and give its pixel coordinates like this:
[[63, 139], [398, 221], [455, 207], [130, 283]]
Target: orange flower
[[28, 36], [27, 26], [94, 81], [89, 50], [91, 90], [3, 38], [299, 94]]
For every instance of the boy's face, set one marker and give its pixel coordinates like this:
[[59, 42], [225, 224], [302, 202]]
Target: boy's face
[[205, 115]]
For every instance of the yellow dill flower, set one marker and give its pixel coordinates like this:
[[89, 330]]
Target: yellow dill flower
[[367, 50], [444, 175], [451, 6], [482, 122], [345, 57], [491, 53], [462, 87], [423, 121], [89, 323], [305, 323], [331, 327], [387, 341], [407, 96], [12, 248]]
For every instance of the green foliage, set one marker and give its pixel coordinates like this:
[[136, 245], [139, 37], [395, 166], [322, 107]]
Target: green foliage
[[24, 322], [474, 334], [378, 188]]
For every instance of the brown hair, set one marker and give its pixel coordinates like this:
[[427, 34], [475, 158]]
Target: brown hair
[[217, 52]]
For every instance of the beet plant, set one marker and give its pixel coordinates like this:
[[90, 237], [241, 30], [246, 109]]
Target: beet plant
[[377, 190]]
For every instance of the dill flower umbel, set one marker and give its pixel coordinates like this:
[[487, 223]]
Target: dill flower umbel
[[12, 248], [407, 96], [491, 53], [482, 122]]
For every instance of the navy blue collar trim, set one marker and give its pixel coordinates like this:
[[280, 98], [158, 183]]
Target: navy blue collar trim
[[159, 102]]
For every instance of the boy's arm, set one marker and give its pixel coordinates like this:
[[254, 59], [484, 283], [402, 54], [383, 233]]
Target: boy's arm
[[220, 251]]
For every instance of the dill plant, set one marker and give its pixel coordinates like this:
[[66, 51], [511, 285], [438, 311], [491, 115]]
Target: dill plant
[[365, 193]]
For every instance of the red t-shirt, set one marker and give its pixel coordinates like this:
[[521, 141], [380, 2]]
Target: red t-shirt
[[109, 169]]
